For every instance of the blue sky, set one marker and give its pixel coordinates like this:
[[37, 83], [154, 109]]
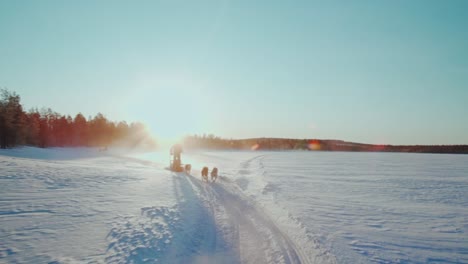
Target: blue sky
[[367, 71]]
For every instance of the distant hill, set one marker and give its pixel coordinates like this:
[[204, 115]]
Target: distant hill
[[213, 142]]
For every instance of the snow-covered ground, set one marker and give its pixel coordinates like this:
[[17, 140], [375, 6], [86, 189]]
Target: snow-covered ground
[[81, 205]]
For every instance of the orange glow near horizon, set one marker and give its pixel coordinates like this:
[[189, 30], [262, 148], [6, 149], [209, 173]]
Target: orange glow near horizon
[[378, 147], [255, 147], [314, 145]]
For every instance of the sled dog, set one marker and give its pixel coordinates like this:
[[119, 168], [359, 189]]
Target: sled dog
[[214, 174], [204, 174], [188, 168]]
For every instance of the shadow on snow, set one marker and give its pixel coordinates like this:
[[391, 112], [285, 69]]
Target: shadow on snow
[[185, 233]]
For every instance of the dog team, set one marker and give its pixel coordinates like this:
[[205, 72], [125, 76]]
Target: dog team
[[214, 174], [204, 172]]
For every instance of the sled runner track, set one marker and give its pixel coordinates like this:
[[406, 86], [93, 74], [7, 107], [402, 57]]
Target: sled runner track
[[246, 164], [250, 232]]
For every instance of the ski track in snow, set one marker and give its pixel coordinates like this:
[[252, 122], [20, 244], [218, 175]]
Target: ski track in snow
[[251, 234]]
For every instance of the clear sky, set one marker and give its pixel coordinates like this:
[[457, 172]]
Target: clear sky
[[368, 71]]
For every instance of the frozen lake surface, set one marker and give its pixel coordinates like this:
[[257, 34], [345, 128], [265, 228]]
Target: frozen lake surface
[[80, 205], [373, 207]]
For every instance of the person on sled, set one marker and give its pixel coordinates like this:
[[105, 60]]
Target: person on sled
[[176, 150]]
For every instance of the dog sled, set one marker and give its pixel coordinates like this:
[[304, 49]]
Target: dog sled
[[175, 164]]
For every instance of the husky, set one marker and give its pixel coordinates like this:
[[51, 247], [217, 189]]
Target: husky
[[204, 174], [214, 174], [188, 168]]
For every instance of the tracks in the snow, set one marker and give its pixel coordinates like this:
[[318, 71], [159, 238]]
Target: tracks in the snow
[[245, 227]]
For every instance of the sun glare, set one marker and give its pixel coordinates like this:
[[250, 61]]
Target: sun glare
[[174, 104]]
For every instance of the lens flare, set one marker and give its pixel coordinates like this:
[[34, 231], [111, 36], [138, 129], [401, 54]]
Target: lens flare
[[314, 145], [378, 147], [255, 147]]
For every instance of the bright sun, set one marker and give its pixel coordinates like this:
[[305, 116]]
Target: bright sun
[[173, 106]]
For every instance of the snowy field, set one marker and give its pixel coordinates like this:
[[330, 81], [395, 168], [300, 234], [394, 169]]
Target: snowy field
[[85, 206]]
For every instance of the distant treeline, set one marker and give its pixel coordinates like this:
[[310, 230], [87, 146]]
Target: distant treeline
[[214, 142], [46, 128]]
